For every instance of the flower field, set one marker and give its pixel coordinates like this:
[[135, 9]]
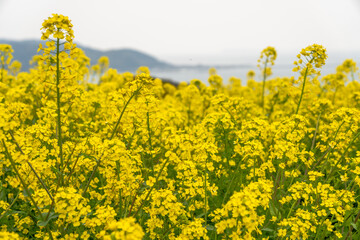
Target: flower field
[[131, 157]]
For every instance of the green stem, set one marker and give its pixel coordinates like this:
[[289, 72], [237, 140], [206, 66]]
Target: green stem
[[12, 204], [149, 136], [92, 175], [58, 110], [32, 169], [24, 185], [351, 227], [263, 87], [333, 98], [352, 75], [133, 202], [275, 189], [2, 72], [118, 166], [302, 90], [292, 207], [205, 210], [122, 112], [328, 151], [18, 175], [343, 155], [149, 130], [111, 137], [231, 115], [152, 187], [233, 178], [225, 143]]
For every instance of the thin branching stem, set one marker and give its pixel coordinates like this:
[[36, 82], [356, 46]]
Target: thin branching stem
[[26, 189], [123, 110], [263, 87], [111, 137], [302, 89], [31, 167], [58, 111], [152, 187]]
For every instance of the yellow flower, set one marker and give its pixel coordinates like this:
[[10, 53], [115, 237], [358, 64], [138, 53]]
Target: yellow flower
[[310, 59], [282, 232], [58, 25]]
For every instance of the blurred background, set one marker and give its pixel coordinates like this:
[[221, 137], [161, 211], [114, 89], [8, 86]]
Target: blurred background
[[181, 40]]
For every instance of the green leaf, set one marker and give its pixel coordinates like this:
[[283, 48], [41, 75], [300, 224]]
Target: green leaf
[[268, 229], [88, 156], [354, 226], [25, 193], [273, 209], [200, 215], [210, 228], [3, 194], [55, 170], [42, 223]]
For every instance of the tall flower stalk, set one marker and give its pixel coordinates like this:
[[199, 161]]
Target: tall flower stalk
[[348, 67], [55, 30], [267, 57], [310, 60], [5, 58]]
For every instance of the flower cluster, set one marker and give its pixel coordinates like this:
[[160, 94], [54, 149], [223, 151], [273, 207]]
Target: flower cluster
[[310, 59], [58, 26], [124, 229], [239, 215], [267, 55], [5, 54]]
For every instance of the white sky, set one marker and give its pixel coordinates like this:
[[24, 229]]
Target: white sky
[[180, 31]]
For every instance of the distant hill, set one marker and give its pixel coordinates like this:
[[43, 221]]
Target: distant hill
[[120, 59]]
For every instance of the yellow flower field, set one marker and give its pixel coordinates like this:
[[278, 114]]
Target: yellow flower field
[[131, 157]]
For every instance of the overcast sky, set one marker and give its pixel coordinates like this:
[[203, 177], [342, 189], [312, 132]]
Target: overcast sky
[[193, 30]]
